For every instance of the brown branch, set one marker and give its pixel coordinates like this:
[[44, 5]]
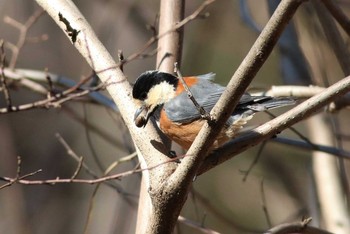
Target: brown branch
[[255, 161]]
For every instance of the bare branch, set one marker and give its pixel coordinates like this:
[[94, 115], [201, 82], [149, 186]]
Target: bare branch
[[338, 14], [275, 126], [54, 101], [256, 57], [200, 109], [20, 179], [31, 79], [23, 30], [297, 227]]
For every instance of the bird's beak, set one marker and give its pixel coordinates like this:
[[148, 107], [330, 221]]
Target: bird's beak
[[141, 116]]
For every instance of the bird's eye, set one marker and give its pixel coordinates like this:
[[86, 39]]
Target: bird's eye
[[143, 96]]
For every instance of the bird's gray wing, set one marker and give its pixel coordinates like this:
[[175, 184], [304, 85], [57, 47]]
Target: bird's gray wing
[[182, 110]]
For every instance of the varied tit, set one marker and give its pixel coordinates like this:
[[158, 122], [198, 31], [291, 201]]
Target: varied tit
[[163, 96]]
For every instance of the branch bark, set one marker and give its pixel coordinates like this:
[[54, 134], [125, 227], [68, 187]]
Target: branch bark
[[256, 57], [275, 126], [87, 43], [170, 46], [169, 52], [169, 198]]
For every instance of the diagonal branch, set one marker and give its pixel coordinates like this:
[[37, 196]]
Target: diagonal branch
[[101, 61], [275, 126], [235, 89], [338, 14]]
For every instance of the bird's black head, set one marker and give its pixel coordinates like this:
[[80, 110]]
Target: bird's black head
[[150, 79], [153, 89]]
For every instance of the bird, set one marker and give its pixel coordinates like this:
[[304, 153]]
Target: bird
[[163, 96]]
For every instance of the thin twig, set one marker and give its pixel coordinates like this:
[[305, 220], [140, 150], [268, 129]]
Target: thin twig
[[23, 30], [108, 170], [200, 109], [89, 139], [264, 203], [211, 207], [255, 161], [76, 172], [295, 131], [296, 227], [85, 181], [56, 100], [18, 175], [77, 158]]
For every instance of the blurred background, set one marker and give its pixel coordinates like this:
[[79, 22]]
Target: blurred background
[[220, 199]]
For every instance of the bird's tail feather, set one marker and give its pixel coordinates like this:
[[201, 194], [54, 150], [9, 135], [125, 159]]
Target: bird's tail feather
[[266, 104]]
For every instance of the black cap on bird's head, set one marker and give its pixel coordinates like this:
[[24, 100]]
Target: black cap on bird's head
[[153, 89]]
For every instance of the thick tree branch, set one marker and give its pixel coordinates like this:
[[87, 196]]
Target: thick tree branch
[[149, 217], [170, 46], [173, 192], [256, 57], [275, 126], [101, 61]]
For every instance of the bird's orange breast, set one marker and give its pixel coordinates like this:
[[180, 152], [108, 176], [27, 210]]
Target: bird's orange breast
[[190, 80], [184, 134]]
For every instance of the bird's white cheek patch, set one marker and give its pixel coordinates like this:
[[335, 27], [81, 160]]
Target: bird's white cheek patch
[[160, 94]]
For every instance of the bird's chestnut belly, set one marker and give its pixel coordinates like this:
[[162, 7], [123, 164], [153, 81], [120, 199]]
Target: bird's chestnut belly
[[184, 134]]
